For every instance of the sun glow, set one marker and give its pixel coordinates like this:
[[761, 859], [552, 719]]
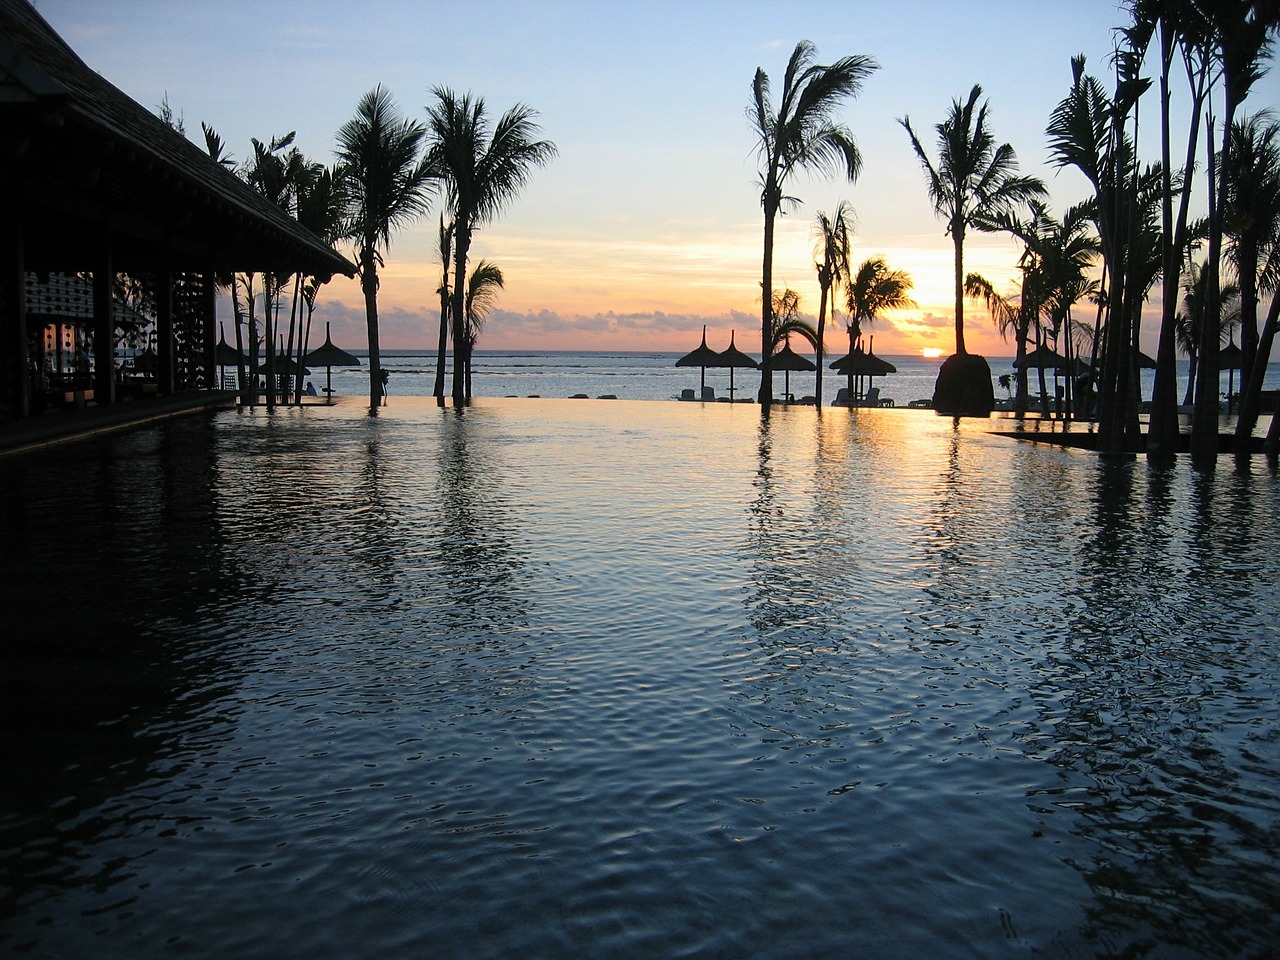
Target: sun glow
[[931, 353]]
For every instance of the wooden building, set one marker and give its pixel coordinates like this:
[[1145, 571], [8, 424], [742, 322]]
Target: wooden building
[[92, 183]]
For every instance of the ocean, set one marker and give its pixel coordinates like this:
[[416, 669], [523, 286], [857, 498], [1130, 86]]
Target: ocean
[[654, 376]]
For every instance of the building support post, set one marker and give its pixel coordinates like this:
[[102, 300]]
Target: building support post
[[104, 339], [15, 395], [164, 328]]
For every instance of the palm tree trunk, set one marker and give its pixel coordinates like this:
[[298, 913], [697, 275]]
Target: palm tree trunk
[[269, 335], [303, 342], [369, 284], [1193, 367], [1204, 416], [822, 322], [765, 396], [1251, 396], [253, 340], [293, 323], [462, 246], [1162, 432], [957, 239], [242, 374], [443, 346]]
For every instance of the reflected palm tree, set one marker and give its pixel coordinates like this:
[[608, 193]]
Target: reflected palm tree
[[1140, 700], [482, 568]]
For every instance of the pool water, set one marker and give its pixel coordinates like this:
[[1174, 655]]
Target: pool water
[[629, 679]]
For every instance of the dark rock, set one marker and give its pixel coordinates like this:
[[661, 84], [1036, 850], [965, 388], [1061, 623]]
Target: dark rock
[[964, 387]]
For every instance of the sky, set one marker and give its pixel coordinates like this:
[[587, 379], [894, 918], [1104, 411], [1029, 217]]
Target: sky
[[647, 225]]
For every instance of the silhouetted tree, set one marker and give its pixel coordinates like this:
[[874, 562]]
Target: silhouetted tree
[[799, 133]]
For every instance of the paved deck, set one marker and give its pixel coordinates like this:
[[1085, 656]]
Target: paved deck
[[60, 426]]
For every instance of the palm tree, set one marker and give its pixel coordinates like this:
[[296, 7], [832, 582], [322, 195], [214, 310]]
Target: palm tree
[[1056, 258], [483, 287], [321, 206], [973, 182], [785, 319], [800, 134], [872, 290], [831, 252], [388, 187], [1189, 328], [483, 170], [1181, 28], [1087, 130], [1253, 229], [445, 246]]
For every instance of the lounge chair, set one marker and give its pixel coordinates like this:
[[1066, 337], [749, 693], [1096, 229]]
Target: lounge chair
[[708, 394], [687, 394], [842, 398]]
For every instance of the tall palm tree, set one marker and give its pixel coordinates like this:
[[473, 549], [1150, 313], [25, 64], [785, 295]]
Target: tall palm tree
[[972, 183], [1242, 34], [483, 287], [389, 186], [831, 257], [799, 134], [1181, 28], [483, 167], [1088, 130]]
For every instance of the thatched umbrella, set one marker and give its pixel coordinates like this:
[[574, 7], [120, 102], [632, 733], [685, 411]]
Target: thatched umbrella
[[1230, 359], [861, 363], [702, 356], [328, 356], [787, 360], [225, 355], [1044, 358], [733, 358]]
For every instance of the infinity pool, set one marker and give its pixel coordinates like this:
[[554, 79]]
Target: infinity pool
[[634, 679]]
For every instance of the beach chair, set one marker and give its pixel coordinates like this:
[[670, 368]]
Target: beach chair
[[687, 394], [842, 398], [709, 394], [872, 398]]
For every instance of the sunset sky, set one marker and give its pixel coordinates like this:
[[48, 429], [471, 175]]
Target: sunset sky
[[648, 224]]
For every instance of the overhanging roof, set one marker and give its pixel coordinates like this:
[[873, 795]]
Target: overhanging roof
[[86, 161]]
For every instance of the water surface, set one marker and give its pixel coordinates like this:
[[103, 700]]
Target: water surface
[[566, 679]]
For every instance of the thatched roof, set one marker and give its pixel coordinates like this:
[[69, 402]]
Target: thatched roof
[[84, 158]]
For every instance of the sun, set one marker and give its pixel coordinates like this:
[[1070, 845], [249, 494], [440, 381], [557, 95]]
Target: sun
[[931, 353]]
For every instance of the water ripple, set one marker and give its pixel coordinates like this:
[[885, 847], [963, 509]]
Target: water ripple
[[634, 680]]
